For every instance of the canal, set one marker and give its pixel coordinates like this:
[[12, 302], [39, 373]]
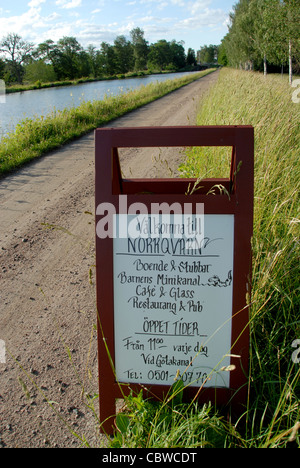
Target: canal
[[36, 103]]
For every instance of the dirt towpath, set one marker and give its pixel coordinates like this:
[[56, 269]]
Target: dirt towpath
[[47, 295]]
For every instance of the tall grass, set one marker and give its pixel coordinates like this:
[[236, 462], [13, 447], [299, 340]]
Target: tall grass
[[242, 98], [273, 411], [34, 137]]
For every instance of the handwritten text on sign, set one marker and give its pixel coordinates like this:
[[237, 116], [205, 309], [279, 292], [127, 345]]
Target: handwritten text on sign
[[173, 303]]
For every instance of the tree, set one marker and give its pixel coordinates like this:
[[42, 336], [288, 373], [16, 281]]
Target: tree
[[68, 53], [93, 60], [38, 70], [261, 13], [67, 59], [242, 28], [191, 58], [83, 64], [264, 31], [167, 55], [140, 49], [291, 39], [222, 56], [123, 55], [44, 51], [63, 56], [160, 54], [208, 54], [274, 34], [18, 52], [106, 59], [178, 58]]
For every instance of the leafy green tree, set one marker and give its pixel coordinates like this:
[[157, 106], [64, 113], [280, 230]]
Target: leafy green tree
[[44, 51], [57, 60], [160, 54], [106, 59], [291, 38], [222, 56], [38, 70], [191, 58], [242, 28], [167, 55], [178, 58], [140, 49], [124, 59], [67, 59], [84, 68], [18, 52], [276, 29], [208, 54], [68, 52], [63, 56], [92, 55], [264, 31]]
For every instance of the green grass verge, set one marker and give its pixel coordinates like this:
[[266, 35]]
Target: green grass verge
[[56, 84], [242, 98], [34, 137], [271, 418]]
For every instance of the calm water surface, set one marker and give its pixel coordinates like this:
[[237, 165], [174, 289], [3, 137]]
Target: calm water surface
[[29, 104]]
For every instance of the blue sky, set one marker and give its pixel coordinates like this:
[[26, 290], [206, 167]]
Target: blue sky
[[196, 22]]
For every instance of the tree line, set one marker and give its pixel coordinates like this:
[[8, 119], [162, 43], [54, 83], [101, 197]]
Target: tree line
[[68, 60], [263, 34]]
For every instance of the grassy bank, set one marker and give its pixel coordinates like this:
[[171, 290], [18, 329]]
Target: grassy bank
[[17, 88], [34, 137], [271, 419], [266, 103]]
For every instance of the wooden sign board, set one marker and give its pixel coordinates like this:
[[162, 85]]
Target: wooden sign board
[[173, 272]]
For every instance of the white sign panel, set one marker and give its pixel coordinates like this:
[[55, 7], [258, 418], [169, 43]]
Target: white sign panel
[[173, 303]]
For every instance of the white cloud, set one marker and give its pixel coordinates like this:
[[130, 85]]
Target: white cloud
[[68, 4], [180, 3], [32, 26], [162, 5], [198, 6], [20, 24], [159, 3], [35, 3], [208, 17], [52, 17], [180, 20]]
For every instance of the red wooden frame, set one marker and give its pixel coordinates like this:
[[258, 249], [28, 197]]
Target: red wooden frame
[[109, 185]]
